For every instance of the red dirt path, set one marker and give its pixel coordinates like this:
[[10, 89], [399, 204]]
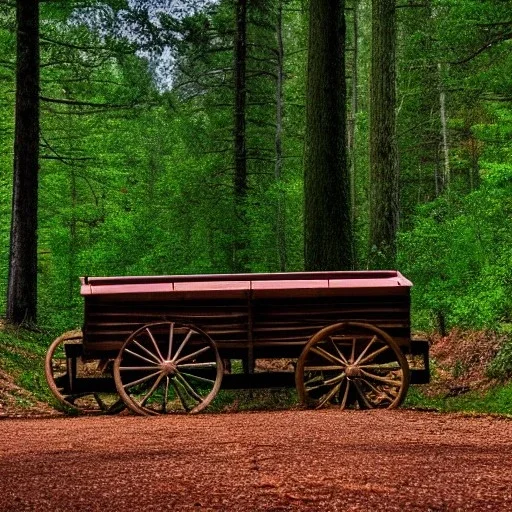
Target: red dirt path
[[291, 460]]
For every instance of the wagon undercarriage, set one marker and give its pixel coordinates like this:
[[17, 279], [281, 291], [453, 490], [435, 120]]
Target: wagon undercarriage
[[345, 337]]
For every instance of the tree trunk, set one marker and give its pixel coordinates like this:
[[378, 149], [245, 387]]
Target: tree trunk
[[445, 176], [352, 118], [240, 147], [384, 172], [327, 226], [22, 286], [281, 200]]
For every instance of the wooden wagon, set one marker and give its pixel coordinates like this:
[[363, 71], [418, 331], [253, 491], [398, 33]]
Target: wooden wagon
[[169, 343]]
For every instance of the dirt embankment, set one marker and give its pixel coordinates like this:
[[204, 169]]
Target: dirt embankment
[[16, 402]]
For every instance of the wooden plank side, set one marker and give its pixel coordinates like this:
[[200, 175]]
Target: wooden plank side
[[276, 321]]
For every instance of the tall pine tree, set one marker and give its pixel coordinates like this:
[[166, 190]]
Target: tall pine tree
[[327, 219]]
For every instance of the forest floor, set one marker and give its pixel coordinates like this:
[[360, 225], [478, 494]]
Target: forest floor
[[296, 460]]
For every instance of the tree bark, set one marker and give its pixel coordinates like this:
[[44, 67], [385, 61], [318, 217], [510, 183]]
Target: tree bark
[[281, 200], [384, 171], [240, 146], [445, 177], [22, 284], [352, 126], [327, 219]]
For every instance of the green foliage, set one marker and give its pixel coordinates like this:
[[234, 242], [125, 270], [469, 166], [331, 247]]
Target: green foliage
[[459, 252], [469, 295]]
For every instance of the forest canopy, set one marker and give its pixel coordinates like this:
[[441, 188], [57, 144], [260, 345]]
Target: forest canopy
[[175, 137]]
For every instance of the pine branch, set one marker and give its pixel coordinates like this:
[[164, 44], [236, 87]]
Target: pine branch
[[83, 47], [85, 103], [505, 36]]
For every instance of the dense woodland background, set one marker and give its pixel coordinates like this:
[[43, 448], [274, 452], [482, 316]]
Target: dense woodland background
[[168, 145]]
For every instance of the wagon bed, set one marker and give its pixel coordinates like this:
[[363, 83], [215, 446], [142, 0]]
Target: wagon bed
[[243, 318]]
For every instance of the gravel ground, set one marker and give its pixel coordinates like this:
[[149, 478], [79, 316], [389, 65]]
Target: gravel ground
[[291, 460]]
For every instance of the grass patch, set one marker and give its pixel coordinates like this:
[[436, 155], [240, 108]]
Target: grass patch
[[228, 400], [496, 400]]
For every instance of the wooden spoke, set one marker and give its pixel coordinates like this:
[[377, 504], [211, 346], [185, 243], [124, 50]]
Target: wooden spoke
[[390, 394], [152, 389], [336, 379], [373, 355], [187, 380], [180, 396], [318, 380], [155, 345], [171, 339], [326, 355], [191, 366], [142, 358], [391, 366], [344, 400], [183, 343], [190, 390], [141, 380], [148, 352], [363, 353], [391, 382], [365, 404], [322, 368], [353, 353], [166, 394], [80, 384], [192, 355], [326, 398], [197, 377], [342, 357], [312, 388], [138, 368]]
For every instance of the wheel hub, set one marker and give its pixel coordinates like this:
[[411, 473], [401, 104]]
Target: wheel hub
[[353, 372], [168, 367]]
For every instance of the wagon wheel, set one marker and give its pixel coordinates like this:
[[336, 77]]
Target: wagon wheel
[[57, 372], [168, 367], [352, 362]]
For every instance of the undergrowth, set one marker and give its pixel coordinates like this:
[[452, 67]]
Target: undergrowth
[[497, 400], [22, 355], [470, 372]]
